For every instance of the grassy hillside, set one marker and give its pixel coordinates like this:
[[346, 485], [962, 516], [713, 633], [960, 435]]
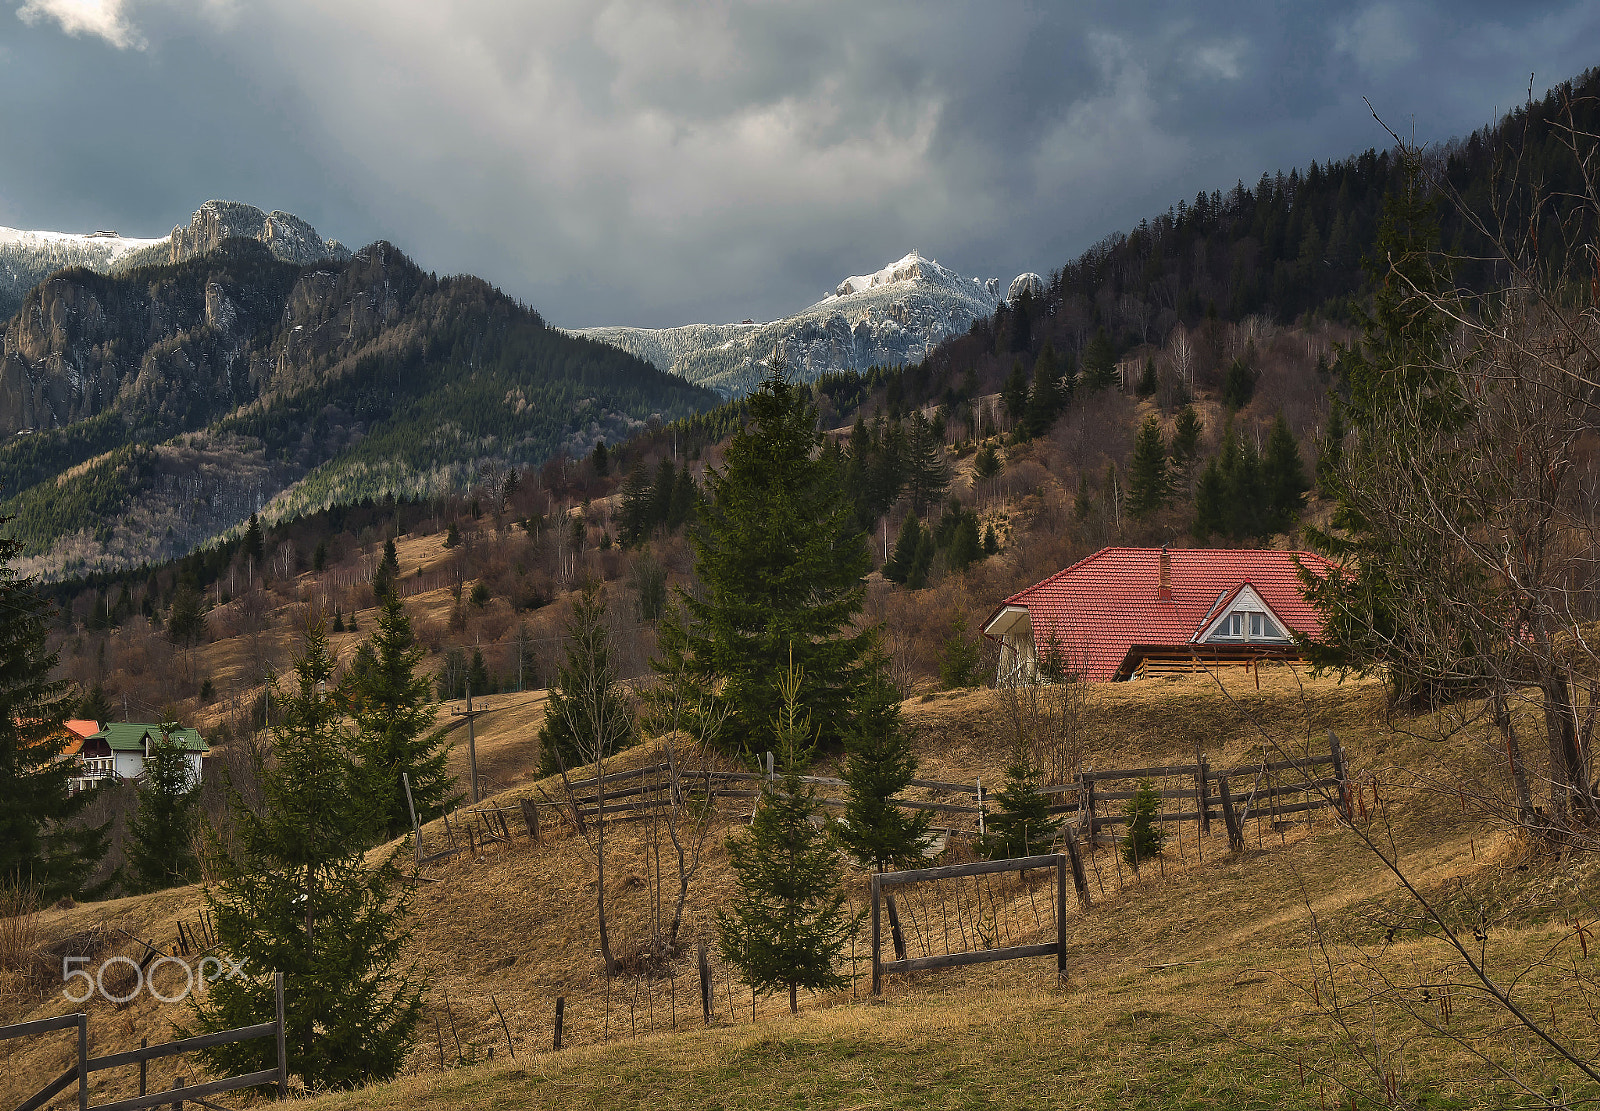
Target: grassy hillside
[[1190, 986]]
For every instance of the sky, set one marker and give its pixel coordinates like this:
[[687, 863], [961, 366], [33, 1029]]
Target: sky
[[623, 162]]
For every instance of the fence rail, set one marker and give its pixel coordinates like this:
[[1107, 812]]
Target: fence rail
[[80, 1070]]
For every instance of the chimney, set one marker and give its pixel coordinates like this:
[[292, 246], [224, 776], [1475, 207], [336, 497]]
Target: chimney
[[1164, 586]]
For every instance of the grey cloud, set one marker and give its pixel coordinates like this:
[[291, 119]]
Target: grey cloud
[[653, 163]]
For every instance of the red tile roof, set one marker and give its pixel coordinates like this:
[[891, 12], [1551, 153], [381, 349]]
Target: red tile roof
[[1106, 603]]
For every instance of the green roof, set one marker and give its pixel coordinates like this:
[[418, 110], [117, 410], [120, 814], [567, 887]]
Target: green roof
[[128, 736]]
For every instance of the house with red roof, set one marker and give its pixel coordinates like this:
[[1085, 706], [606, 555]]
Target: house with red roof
[[1130, 613]]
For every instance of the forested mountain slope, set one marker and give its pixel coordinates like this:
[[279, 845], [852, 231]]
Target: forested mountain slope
[[147, 412]]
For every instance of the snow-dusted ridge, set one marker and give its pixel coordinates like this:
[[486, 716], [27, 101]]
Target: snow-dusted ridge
[[891, 316], [108, 243], [28, 257]]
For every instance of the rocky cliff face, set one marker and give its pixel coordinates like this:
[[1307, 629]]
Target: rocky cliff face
[[287, 236], [28, 257], [893, 316]]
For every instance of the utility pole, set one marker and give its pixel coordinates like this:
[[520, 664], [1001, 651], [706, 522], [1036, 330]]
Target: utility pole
[[472, 741]]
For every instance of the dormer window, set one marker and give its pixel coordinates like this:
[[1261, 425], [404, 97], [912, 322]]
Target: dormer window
[[1247, 626]]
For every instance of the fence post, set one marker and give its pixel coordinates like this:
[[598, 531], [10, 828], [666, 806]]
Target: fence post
[[705, 980], [1088, 804], [561, 1018], [1202, 785], [83, 1061], [1061, 914], [416, 830], [895, 935], [1340, 772], [1080, 879], [177, 1104], [144, 1066], [877, 952], [530, 818], [283, 1056], [1229, 816]]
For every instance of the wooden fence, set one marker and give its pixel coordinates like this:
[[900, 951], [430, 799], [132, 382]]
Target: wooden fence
[[1091, 805], [142, 1056], [902, 963]]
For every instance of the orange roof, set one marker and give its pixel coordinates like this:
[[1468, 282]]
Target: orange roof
[[83, 728], [1108, 603]]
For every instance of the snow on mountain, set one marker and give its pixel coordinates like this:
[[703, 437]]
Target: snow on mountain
[[892, 316], [28, 257]]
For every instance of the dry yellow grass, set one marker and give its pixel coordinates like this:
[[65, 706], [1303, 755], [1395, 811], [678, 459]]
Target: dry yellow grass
[[1188, 987]]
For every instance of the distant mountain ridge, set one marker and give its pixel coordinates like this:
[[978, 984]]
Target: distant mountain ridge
[[891, 316], [146, 412], [28, 257]]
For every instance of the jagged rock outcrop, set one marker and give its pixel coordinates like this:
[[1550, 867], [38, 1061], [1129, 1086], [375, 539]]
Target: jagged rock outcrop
[[28, 257], [892, 316], [287, 236], [1029, 283]]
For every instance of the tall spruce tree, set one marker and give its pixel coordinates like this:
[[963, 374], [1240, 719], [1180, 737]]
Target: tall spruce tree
[[1149, 478], [781, 561], [161, 849], [1395, 366], [1099, 363], [1283, 477], [301, 899], [787, 923], [43, 841], [393, 708], [880, 762], [637, 516], [586, 716], [927, 470]]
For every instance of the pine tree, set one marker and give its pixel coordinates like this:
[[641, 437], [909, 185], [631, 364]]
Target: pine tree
[[586, 716], [1238, 385], [1044, 399], [900, 563], [1396, 365], [986, 464], [1210, 498], [1186, 437], [1144, 838], [95, 706], [637, 517], [965, 547], [961, 661], [787, 923], [1014, 394], [42, 840], [383, 579], [319, 558], [1283, 477], [1083, 501], [452, 536], [253, 547], [393, 709], [781, 562], [880, 762], [186, 623], [478, 681], [927, 471], [301, 899], [601, 458], [1148, 383], [991, 542], [1099, 363], [1022, 825], [1332, 448], [1149, 481], [161, 833]]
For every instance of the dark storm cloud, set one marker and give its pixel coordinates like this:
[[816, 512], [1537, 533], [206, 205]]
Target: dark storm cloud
[[631, 162]]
